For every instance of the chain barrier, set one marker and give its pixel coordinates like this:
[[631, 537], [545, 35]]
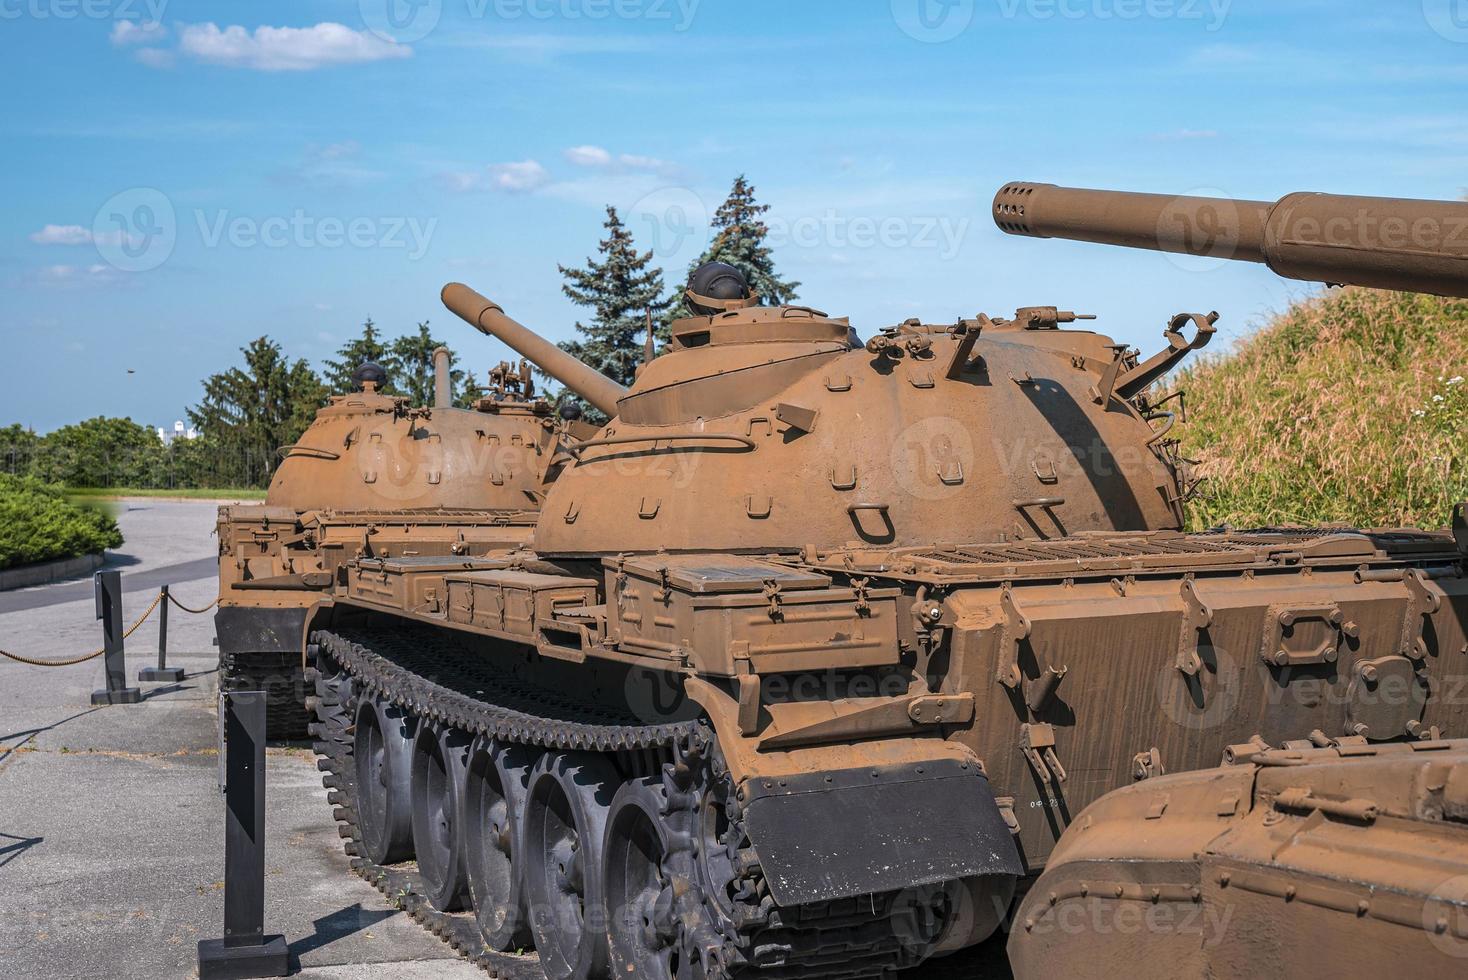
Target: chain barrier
[[197, 612], [71, 662]]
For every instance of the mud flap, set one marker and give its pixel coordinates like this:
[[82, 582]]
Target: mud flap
[[257, 629], [829, 835]]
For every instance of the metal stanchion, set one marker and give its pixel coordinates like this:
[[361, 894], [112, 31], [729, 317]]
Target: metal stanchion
[[108, 590], [162, 672], [245, 950]]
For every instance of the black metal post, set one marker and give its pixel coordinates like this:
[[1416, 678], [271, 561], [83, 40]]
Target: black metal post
[[245, 951], [162, 672], [107, 587]]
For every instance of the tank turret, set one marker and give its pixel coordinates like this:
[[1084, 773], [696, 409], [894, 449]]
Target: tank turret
[[373, 475], [765, 429], [367, 451], [1382, 242]]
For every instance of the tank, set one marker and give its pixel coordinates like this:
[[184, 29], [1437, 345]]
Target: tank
[[1382, 242], [373, 475], [1320, 858], [1352, 841], [819, 647]]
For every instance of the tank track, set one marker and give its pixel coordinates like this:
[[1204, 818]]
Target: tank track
[[279, 675], [432, 677]]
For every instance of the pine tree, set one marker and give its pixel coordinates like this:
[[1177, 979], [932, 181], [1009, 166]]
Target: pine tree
[[620, 289], [739, 240], [368, 347]]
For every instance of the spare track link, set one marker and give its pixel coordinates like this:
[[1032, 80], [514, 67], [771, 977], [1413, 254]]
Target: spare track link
[[834, 941]]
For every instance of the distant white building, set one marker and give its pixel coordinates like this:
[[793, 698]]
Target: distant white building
[[166, 436]]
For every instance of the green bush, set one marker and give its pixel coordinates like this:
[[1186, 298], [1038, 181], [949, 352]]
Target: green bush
[[38, 523]]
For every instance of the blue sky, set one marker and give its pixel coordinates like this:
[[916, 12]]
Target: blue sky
[[181, 177]]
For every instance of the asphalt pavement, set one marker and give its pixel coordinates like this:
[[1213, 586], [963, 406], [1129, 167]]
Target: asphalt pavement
[[111, 822]]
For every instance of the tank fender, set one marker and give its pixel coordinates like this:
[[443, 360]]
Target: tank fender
[[319, 616], [827, 835], [258, 629], [922, 809]]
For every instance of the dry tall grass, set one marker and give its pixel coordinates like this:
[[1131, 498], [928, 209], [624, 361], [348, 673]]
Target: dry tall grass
[[1346, 408]]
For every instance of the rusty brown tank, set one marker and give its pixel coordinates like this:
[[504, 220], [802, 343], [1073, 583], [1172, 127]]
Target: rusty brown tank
[[1320, 858], [1339, 853], [819, 647], [373, 475]]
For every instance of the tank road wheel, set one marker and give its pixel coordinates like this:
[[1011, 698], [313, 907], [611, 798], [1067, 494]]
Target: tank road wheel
[[718, 840], [647, 879], [564, 825], [672, 873], [494, 799], [384, 785], [440, 757]]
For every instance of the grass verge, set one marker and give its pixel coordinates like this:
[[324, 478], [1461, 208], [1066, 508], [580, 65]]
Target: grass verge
[[1351, 407], [189, 493]]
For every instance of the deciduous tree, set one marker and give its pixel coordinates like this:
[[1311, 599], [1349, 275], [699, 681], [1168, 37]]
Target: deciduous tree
[[249, 413], [410, 366]]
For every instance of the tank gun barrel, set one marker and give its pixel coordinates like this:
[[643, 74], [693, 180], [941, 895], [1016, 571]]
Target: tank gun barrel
[[1382, 242], [487, 317]]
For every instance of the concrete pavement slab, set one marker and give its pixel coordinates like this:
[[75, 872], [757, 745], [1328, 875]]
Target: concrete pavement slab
[[111, 822]]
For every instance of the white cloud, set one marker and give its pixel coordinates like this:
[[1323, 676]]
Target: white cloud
[[74, 235], [72, 276], [612, 177], [461, 181], [633, 161], [126, 32], [335, 151], [330, 165], [526, 175], [519, 177], [602, 159], [285, 48], [588, 156], [155, 57], [62, 235]]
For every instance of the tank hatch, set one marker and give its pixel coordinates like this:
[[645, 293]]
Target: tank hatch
[[722, 364]]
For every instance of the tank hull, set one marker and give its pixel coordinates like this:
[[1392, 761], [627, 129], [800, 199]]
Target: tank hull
[[861, 687]]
